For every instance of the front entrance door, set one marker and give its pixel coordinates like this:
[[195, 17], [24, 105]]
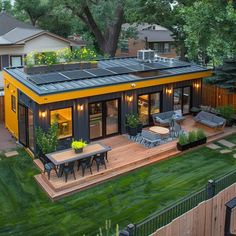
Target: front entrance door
[[104, 118], [26, 127]]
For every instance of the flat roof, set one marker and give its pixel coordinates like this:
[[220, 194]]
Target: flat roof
[[109, 72]]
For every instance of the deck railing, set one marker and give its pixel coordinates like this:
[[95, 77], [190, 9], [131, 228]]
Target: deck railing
[[164, 217]]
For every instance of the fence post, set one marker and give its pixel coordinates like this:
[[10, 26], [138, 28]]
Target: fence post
[[210, 189], [128, 231]]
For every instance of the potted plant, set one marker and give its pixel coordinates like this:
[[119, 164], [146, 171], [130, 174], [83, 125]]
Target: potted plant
[[132, 124], [192, 139], [201, 136], [78, 145], [183, 143], [227, 112]]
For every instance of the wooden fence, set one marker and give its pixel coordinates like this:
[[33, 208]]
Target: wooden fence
[[207, 219], [215, 96], [2, 113]]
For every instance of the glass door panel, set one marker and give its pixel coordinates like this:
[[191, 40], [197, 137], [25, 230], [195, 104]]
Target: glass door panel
[[186, 100], [178, 99], [22, 126], [31, 129], [155, 103], [112, 117], [143, 108], [96, 120]]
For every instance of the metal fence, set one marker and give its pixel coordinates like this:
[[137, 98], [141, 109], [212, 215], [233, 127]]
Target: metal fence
[[162, 218]]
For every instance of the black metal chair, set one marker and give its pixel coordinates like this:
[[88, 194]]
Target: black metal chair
[[86, 163], [100, 160], [69, 169], [48, 166]]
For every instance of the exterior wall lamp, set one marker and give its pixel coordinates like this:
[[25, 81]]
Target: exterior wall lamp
[[80, 107], [197, 85], [130, 98], [43, 114], [169, 91]]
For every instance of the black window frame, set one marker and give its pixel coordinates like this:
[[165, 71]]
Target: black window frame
[[21, 59]]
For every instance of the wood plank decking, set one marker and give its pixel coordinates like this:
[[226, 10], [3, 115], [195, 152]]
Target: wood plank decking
[[124, 157]]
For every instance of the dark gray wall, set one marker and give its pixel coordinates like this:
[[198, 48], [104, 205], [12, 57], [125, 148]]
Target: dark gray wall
[[5, 61]]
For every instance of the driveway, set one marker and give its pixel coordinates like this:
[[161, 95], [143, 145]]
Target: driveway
[[6, 140]]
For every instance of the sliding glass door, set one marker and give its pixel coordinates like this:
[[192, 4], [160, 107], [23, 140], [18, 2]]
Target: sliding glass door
[[182, 99], [148, 104], [26, 127], [104, 118]]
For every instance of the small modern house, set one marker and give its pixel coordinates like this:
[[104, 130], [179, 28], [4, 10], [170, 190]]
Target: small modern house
[[92, 103]]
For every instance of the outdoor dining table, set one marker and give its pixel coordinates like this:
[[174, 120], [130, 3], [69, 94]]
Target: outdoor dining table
[[59, 158]]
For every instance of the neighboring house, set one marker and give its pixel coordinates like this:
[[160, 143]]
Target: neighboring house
[[17, 39], [149, 36], [92, 103]]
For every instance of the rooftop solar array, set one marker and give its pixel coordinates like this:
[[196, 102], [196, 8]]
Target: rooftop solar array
[[105, 68]]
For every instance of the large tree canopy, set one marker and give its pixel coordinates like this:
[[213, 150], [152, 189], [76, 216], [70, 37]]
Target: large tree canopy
[[103, 18], [210, 28]]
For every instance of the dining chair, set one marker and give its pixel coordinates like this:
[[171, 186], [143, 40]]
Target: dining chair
[[85, 163], [48, 167], [100, 160], [69, 169]]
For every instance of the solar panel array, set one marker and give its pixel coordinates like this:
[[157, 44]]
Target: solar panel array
[[108, 68]]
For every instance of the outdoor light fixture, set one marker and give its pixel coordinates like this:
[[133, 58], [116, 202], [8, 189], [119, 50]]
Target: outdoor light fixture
[[197, 85], [169, 91], [80, 107], [133, 85], [43, 114], [130, 98]]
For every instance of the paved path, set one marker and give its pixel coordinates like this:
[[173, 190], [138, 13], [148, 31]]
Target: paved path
[[6, 140]]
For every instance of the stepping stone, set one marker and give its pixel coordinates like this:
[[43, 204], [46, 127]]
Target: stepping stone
[[226, 143], [11, 154], [213, 146], [225, 151]]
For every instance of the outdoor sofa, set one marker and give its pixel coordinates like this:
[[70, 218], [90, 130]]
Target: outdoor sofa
[[210, 120], [164, 118]]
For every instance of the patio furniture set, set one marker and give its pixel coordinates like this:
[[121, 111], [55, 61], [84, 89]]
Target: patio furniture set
[[64, 162]]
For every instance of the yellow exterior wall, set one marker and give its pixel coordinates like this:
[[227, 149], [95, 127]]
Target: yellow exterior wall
[[103, 90], [11, 117]]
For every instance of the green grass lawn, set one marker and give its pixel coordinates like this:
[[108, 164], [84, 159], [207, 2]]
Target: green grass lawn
[[26, 210]]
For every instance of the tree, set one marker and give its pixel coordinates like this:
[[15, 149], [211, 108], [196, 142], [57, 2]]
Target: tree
[[103, 18], [225, 75], [6, 4], [35, 9], [207, 25]]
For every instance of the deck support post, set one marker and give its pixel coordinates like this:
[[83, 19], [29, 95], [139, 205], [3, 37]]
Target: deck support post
[[229, 207]]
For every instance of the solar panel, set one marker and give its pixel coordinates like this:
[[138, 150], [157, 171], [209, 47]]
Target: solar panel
[[48, 78], [120, 70], [140, 67], [77, 74], [99, 72], [156, 65]]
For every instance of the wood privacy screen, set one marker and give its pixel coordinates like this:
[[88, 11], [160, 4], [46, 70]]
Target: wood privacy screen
[[215, 96], [207, 219], [2, 114]]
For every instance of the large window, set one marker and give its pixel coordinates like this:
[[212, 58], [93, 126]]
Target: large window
[[182, 99], [16, 61], [148, 104], [63, 117], [13, 103]]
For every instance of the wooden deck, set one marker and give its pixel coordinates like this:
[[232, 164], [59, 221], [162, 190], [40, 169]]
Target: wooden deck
[[125, 156]]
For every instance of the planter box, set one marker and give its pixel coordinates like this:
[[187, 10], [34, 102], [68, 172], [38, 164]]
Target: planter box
[[59, 67], [183, 147], [132, 131]]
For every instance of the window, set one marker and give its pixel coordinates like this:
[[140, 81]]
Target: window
[[182, 99], [63, 117], [13, 103], [16, 61], [162, 47]]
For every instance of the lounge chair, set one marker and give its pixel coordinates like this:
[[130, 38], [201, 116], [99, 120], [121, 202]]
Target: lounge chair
[[210, 120], [164, 118], [150, 138]]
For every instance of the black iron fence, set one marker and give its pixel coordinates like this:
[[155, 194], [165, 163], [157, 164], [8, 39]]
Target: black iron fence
[[164, 217]]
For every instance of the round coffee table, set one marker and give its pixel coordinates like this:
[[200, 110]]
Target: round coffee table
[[159, 130]]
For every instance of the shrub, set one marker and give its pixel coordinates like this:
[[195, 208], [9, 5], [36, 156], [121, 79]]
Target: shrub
[[226, 112], [50, 58], [47, 141], [183, 139], [200, 134], [78, 144], [132, 120], [192, 137]]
